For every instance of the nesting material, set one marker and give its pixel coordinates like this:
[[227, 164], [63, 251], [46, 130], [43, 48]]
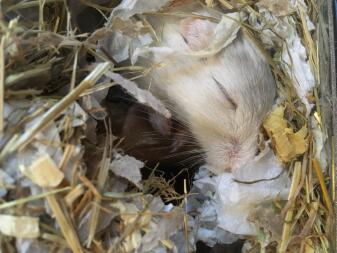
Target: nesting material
[[6, 182], [233, 199], [142, 96], [127, 167], [131, 7], [43, 172], [19, 226], [66, 183], [288, 144]]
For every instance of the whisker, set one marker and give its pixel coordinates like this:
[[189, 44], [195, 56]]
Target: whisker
[[199, 161], [155, 136], [188, 152], [188, 135], [191, 159]]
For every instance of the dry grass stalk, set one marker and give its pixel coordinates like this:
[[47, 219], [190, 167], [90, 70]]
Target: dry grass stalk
[[90, 186], [73, 75], [186, 218], [122, 195], [2, 83], [29, 4], [226, 4], [102, 178], [55, 239], [32, 198], [67, 153], [87, 197], [66, 226], [310, 45], [38, 70], [209, 3], [74, 194], [311, 219], [289, 215], [333, 169], [58, 108], [323, 186], [41, 19]]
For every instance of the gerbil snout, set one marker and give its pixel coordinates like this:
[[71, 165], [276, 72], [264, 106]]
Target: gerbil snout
[[227, 156]]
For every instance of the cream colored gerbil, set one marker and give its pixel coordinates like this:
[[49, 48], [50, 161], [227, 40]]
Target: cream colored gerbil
[[222, 98]]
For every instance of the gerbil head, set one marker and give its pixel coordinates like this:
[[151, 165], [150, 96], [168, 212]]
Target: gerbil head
[[223, 98], [240, 91]]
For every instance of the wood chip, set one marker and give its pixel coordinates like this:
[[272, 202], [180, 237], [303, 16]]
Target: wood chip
[[20, 227], [43, 172]]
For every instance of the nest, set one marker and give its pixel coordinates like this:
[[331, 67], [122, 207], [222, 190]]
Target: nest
[[66, 183]]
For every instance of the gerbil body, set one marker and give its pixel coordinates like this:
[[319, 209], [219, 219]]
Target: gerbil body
[[222, 98]]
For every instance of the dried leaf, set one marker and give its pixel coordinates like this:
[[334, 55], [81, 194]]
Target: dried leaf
[[287, 143], [19, 226], [299, 140]]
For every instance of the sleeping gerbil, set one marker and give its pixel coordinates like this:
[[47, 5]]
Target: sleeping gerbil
[[222, 98]]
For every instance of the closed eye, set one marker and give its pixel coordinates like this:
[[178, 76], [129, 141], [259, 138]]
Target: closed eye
[[184, 38], [233, 104]]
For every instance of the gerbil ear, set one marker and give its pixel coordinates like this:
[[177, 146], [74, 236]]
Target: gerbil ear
[[197, 32]]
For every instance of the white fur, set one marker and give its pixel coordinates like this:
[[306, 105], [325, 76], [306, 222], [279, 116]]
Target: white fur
[[226, 126]]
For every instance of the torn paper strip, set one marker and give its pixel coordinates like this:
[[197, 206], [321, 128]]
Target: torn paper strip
[[284, 37], [142, 96], [230, 202], [128, 8], [296, 64], [127, 167]]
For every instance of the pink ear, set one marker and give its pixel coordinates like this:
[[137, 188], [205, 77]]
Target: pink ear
[[197, 32]]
